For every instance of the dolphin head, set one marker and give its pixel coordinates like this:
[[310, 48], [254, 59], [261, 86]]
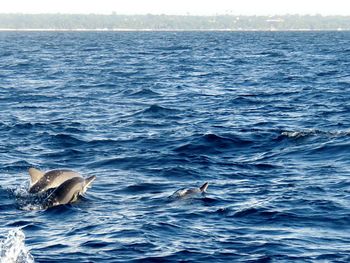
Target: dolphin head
[[69, 191], [88, 182]]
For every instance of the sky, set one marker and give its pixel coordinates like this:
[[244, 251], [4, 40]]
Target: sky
[[179, 7]]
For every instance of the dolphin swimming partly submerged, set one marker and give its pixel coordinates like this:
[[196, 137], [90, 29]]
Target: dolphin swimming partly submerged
[[41, 182], [187, 192], [69, 191]]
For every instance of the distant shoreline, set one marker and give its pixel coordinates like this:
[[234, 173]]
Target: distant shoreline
[[119, 23], [168, 30]]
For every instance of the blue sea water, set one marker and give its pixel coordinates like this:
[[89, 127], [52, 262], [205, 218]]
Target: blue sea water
[[264, 117]]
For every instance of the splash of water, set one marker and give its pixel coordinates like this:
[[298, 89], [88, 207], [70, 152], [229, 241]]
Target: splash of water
[[13, 249], [26, 201]]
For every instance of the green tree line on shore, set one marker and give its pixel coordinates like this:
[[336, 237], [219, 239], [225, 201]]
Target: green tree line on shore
[[172, 22]]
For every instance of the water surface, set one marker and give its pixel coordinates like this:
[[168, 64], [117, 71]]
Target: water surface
[[262, 116]]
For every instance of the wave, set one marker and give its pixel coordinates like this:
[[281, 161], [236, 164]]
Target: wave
[[273, 54], [179, 172], [158, 111], [265, 214], [314, 132], [212, 143], [13, 249], [96, 244], [123, 162], [105, 142], [329, 73], [143, 188], [5, 53], [246, 100], [250, 165], [66, 140], [191, 255], [332, 149], [144, 93], [63, 126], [175, 48]]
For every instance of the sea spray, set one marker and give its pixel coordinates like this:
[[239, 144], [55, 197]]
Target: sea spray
[[13, 249]]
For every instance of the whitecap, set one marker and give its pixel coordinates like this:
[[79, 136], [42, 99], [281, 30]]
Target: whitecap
[[314, 132], [13, 249]]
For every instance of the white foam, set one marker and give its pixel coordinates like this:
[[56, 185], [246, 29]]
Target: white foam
[[13, 249], [25, 200], [32, 207], [293, 134], [299, 134]]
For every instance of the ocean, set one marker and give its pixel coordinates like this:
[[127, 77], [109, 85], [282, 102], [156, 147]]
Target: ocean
[[263, 117]]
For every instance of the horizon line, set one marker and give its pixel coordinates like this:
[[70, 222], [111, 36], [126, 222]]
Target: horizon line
[[164, 14], [167, 30]]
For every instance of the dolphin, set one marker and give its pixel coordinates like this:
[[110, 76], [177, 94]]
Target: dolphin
[[41, 182], [69, 191], [186, 192]]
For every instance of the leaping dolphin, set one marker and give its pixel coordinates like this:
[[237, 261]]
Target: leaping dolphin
[[186, 192], [41, 182], [69, 191]]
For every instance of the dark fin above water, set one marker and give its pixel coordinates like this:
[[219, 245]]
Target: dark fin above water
[[35, 175], [204, 187]]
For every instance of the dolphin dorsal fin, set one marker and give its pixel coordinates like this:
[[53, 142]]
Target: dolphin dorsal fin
[[35, 175], [204, 187]]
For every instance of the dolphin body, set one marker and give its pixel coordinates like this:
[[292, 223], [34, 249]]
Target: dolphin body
[[41, 182], [187, 192], [68, 191]]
